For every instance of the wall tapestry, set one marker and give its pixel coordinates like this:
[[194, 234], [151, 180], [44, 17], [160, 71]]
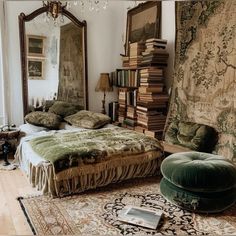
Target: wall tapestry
[[204, 89], [71, 68]]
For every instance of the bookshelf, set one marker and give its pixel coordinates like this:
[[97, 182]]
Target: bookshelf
[[142, 97]]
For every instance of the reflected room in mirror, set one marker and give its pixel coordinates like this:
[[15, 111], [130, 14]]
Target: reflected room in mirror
[[54, 61]]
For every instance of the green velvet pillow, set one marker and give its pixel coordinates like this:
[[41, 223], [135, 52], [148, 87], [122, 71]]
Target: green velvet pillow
[[64, 109], [88, 119], [197, 137], [199, 172], [45, 119], [48, 104]]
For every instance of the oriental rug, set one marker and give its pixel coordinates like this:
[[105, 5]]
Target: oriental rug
[[96, 213], [204, 87]]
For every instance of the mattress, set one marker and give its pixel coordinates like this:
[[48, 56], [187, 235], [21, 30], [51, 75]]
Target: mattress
[[75, 180]]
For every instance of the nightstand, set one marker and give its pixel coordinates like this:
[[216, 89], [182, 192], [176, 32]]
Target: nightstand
[[5, 137]]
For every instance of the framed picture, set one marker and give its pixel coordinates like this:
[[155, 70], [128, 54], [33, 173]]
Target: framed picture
[[35, 45], [143, 22], [35, 69]]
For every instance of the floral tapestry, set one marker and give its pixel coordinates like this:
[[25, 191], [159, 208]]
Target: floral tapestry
[[204, 88]]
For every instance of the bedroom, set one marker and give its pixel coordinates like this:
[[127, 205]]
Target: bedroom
[[102, 42]]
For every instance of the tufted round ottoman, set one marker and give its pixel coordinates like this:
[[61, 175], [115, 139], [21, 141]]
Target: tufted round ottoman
[[198, 181]]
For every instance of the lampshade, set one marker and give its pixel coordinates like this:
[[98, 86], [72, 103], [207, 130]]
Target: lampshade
[[104, 84]]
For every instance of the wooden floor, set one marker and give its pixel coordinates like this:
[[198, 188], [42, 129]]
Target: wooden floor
[[12, 220]]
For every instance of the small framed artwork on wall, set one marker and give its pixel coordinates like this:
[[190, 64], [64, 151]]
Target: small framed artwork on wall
[[35, 69], [35, 45], [143, 22]]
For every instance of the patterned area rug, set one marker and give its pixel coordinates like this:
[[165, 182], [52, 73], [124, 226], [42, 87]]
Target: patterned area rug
[[96, 212]]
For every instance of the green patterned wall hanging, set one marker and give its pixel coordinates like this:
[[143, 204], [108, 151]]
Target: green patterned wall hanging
[[204, 88]]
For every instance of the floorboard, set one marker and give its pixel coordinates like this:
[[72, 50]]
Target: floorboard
[[12, 220]]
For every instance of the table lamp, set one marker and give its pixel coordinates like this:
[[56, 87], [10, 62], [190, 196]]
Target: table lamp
[[104, 86]]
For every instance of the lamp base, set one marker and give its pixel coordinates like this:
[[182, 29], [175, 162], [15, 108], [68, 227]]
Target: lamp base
[[103, 107], [103, 104]]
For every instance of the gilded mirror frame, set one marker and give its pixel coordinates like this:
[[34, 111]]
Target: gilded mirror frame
[[23, 50]]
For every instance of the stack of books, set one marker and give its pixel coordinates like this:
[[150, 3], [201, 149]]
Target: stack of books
[[151, 81], [151, 118], [122, 104], [131, 116], [135, 53], [125, 61], [155, 53]]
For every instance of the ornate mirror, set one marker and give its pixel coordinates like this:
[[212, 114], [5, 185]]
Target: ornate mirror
[[53, 57]]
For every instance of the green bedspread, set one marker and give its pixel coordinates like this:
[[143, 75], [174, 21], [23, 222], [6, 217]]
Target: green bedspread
[[69, 149]]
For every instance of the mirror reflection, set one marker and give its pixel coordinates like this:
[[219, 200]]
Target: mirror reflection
[[53, 59], [55, 62]]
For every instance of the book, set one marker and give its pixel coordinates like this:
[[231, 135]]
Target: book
[[164, 41], [150, 89], [140, 216]]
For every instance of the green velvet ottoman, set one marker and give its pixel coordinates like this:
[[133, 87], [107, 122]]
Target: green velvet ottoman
[[200, 182]]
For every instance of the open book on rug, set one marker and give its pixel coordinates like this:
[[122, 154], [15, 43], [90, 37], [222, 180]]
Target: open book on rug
[[140, 216]]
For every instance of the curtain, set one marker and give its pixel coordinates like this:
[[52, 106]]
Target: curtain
[[3, 66], [204, 89]]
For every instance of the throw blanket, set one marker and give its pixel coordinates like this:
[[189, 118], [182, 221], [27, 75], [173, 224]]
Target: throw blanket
[[65, 150]]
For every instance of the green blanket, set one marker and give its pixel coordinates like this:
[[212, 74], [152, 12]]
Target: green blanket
[[69, 149]]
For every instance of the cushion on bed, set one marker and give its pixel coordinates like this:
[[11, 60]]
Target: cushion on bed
[[48, 104], [45, 119], [88, 119], [64, 109]]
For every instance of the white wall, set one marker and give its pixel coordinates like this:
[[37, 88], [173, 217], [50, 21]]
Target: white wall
[[106, 33], [3, 66], [168, 32]]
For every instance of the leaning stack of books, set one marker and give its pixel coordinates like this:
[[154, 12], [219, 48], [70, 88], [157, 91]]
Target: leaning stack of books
[[151, 118], [135, 53], [151, 81], [155, 53]]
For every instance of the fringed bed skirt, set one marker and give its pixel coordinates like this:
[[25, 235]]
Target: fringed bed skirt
[[90, 176]]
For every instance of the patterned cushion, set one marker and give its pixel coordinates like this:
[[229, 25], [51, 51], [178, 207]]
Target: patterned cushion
[[88, 119], [45, 119], [197, 137], [64, 108]]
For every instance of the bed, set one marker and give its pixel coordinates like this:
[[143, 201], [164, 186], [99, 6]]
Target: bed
[[95, 158]]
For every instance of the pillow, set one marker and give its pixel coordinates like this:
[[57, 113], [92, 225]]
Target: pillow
[[197, 137], [64, 109], [30, 129], [48, 104], [45, 119], [88, 119]]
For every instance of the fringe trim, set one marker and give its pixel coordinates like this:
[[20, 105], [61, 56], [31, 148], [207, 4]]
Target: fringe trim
[[105, 165], [92, 176]]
